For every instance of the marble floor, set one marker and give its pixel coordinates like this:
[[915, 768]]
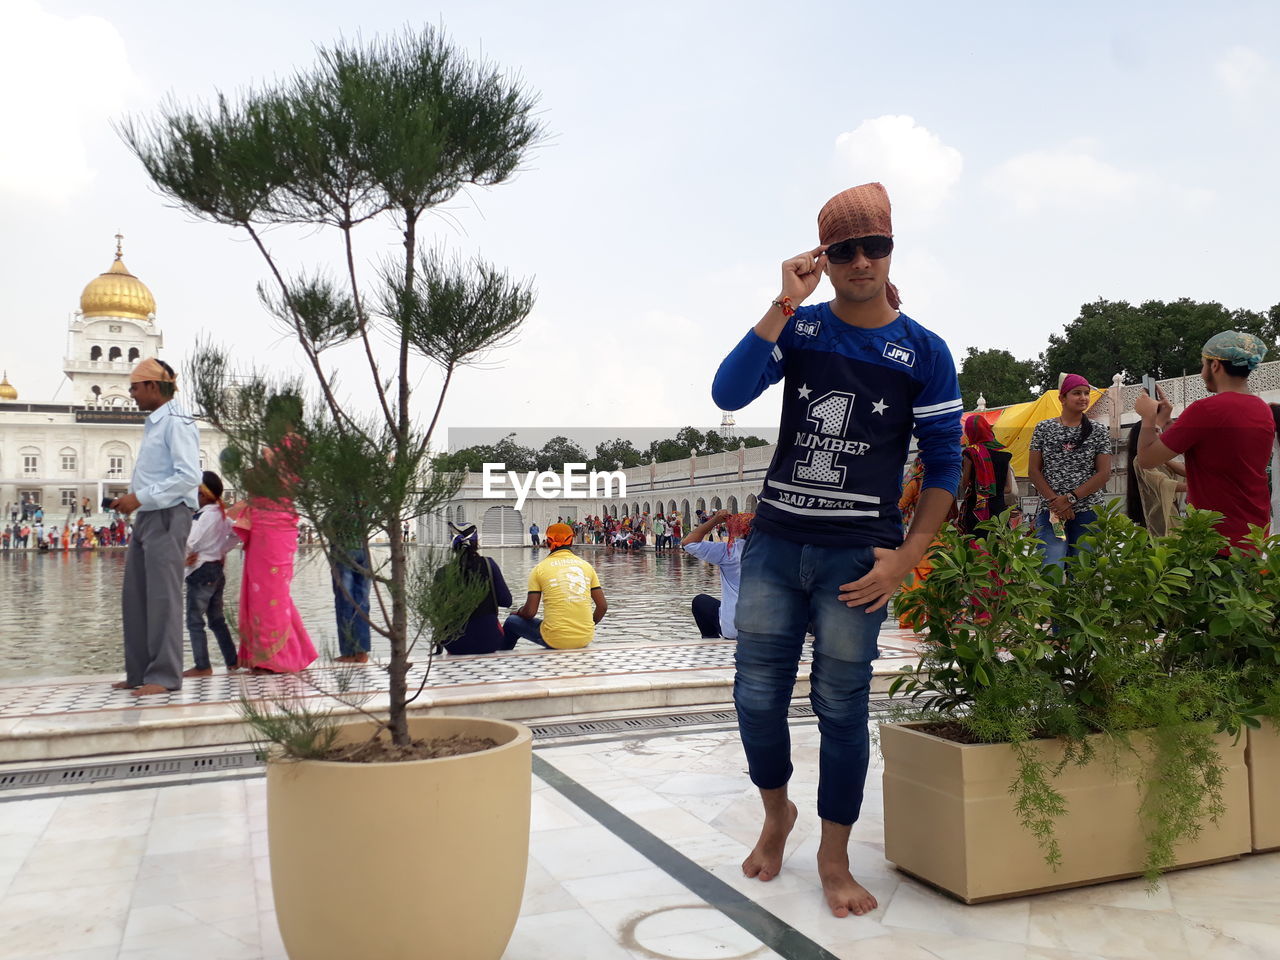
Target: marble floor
[[182, 872]]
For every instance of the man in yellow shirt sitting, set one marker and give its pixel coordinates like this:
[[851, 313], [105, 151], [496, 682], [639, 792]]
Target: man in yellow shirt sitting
[[566, 582]]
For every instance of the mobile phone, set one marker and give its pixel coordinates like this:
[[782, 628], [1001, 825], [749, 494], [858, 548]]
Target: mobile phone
[[1149, 385], [107, 502]]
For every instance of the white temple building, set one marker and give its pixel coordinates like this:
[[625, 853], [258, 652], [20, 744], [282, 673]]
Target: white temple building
[[58, 454]]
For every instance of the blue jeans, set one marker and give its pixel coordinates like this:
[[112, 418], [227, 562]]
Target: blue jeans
[[786, 587], [518, 628], [1057, 550], [353, 629], [204, 599]]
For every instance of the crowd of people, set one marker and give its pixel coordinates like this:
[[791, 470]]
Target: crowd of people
[[80, 535], [663, 531]]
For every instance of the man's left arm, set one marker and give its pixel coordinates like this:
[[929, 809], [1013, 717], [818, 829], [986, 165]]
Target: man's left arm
[[937, 428]]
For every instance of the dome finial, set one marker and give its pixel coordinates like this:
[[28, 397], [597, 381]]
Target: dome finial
[[119, 251]]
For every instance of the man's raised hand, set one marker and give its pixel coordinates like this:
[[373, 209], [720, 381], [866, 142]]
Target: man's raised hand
[[801, 274]]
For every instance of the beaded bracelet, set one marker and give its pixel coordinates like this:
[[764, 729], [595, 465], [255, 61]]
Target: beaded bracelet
[[785, 304]]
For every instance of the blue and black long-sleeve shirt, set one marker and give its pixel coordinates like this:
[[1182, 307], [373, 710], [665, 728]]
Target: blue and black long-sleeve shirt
[[853, 399]]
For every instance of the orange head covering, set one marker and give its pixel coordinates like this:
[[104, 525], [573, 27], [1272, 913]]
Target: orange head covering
[[739, 526], [149, 370], [861, 211], [559, 535]]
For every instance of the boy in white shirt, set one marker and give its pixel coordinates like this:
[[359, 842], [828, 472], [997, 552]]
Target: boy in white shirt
[[208, 544]]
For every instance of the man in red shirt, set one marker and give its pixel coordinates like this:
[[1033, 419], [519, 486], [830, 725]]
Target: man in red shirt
[[1226, 437]]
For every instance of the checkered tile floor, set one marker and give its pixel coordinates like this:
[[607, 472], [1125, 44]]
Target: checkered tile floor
[[51, 697]]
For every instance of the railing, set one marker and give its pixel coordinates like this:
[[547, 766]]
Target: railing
[[107, 366]]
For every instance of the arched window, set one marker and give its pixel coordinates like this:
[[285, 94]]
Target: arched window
[[133, 353], [95, 352], [68, 458], [716, 504], [751, 503], [733, 505], [646, 506], [114, 353]]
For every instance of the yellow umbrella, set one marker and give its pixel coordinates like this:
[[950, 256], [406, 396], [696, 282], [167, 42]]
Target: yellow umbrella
[[1018, 422]]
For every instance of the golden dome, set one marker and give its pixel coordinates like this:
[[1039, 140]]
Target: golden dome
[[7, 392], [117, 293]]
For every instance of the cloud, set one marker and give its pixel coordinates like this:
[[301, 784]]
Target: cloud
[[65, 76], [918, 169], [1072, 178], [1242, 71], [1067, 177]]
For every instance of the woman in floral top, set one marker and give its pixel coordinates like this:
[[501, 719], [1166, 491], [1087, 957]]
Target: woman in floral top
[[1069, 465]]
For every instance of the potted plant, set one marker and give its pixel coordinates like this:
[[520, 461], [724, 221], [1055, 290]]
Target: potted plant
[[386, 839], [1057, 737], [1227, 620]]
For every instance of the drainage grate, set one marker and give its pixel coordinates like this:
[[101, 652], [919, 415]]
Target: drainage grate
[[247, 761], [879, 706], [85, 773]]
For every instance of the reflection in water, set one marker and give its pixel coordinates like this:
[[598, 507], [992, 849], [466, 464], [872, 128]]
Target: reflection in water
[[60, 615]]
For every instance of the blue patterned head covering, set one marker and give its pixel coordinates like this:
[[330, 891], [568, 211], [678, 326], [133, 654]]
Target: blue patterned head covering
[[1235, 348]]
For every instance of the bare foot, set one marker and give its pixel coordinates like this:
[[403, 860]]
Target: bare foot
[[844, 894], [122, 685], [765, 861], [149, 689], [197, 672]]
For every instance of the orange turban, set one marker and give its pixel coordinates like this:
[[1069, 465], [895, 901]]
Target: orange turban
[[559, 535], [149, 370]]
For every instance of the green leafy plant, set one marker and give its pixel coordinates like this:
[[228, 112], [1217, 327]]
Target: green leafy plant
[[1146, 649], [374, 134]]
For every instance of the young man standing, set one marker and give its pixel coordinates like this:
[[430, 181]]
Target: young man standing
[[163, 492], [827, 547], [1227, 436]]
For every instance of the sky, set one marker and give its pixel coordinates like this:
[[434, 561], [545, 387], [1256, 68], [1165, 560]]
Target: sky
[[1037, 159]]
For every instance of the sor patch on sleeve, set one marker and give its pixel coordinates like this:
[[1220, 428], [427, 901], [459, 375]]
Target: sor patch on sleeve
[[808, 328], [902, 355]]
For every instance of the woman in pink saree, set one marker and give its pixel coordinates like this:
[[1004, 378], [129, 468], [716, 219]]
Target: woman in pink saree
[[272, 637]]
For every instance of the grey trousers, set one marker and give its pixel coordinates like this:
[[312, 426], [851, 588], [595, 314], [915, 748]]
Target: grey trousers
[[152, 598]]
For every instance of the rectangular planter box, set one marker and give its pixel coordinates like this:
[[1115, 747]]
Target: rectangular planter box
[[949, 818], [1263, 755]]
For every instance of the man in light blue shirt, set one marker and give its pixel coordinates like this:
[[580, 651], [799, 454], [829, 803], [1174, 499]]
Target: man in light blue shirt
[[715, 617], [163, 491]]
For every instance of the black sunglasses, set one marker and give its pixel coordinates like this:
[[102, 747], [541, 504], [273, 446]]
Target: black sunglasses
[[874, 248]]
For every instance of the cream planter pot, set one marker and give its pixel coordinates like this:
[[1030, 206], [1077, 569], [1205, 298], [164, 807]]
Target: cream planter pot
[[402, 860], [1264, 785], [949, 818]]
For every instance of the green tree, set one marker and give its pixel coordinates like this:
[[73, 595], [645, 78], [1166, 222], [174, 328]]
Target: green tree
[[383, 132], [1159, 338], [998, 376], [611, 453], [558, 451]]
